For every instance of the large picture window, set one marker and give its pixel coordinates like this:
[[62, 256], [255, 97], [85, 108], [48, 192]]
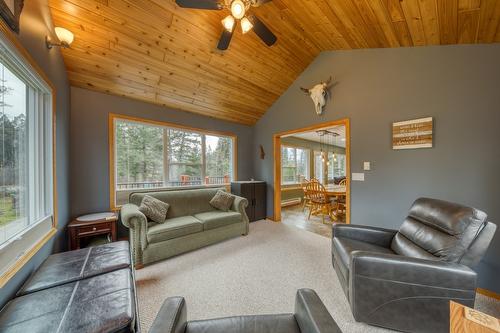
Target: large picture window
[[27, 216], [150, 155], [294, 165], [336, 165]]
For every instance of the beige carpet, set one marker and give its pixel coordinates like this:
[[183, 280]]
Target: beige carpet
[[255, 274]]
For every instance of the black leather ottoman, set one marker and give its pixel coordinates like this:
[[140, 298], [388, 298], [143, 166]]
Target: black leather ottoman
[[89, 290], [71, 266], [103, 303]]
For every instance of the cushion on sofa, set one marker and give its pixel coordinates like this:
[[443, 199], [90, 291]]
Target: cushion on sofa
[[217, 219], [344, 247], [182, 202], [154, 209], [222, 200], [174, 228]]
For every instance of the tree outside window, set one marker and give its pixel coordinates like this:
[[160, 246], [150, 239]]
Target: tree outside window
[[153, 156], [12, 154], [294, 165]]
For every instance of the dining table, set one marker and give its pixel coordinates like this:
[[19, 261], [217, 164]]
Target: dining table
[[333, 190], [337, 191]]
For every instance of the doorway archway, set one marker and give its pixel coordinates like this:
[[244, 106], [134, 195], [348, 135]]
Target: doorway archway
[[277, 162]]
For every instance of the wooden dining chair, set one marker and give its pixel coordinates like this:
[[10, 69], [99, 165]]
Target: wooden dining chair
[[306, 202], [320, 202], [340, 200]]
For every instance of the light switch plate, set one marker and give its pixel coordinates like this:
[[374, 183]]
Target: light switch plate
[[358, 177], [366, 166]]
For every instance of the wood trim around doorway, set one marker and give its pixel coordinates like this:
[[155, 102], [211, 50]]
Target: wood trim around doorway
[[277, 163]]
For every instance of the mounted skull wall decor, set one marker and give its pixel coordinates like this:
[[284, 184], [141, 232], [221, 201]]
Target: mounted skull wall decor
[[318, 94]]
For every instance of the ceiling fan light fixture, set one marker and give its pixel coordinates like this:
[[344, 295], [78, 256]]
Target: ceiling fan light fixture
[[238, 9], [228, 22], [246, 25]]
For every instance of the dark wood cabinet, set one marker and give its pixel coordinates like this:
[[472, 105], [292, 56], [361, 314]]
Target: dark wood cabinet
[[255, 193]]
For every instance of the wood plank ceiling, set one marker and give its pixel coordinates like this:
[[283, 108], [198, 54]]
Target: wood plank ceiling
[[154, 51]]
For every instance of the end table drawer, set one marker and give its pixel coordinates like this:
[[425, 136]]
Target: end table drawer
[[86, 227], [99, 228]]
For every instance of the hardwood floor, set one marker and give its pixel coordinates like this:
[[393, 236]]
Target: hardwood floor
[[293, 215]]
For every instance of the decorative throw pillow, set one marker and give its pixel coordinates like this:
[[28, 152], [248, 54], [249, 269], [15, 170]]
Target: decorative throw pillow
[[222, 200], [154, 209]]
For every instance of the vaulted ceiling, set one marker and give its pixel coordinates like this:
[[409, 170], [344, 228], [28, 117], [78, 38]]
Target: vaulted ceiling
[[155, 51]]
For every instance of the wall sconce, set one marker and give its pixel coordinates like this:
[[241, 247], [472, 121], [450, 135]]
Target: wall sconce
[[65, 38]]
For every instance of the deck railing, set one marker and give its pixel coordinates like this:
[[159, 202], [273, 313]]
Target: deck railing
[[184, 180]]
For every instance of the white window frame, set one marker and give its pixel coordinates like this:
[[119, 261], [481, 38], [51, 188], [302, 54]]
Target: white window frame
[[307, 152], [321, 178], [113, 118], [339, 156], [19, 249]]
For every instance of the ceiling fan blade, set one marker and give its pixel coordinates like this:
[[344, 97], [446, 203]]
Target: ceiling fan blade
[[225, 39], [257, 3], [200, 4], [262, 31]]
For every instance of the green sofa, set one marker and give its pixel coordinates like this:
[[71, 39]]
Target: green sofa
[[191, 223]]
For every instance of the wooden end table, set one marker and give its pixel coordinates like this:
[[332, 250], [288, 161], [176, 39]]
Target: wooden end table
[[86, 226]]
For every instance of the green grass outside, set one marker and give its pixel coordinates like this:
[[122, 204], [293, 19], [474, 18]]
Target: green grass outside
[[7, 211]]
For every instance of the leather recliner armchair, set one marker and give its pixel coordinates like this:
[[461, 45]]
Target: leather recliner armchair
[[311, 316], [404, 279]]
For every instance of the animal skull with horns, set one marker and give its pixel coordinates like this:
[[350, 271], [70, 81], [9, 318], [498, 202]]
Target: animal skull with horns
[[318, 94]]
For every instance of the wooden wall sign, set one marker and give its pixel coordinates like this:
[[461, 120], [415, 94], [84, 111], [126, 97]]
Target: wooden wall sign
[[411, 134]]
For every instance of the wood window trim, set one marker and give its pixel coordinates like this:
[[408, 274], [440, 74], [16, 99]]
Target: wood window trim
[[277, 163], [488, 293], [111, 146], [21, 261]]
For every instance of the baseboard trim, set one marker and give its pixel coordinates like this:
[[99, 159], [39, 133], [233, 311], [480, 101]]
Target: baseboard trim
[[488, 293]]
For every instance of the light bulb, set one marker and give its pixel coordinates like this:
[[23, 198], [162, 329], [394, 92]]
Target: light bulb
[[64, 35], [246, 25], [228, 23], [238, 9]]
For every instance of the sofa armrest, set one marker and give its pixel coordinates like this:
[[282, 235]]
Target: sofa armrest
[[312, 315], [373, 235], [384, 288], [132, 217], [137, 222], [239, 205], [172, 317]]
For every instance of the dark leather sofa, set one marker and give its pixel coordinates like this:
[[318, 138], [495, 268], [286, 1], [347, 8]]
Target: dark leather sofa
[[311, 316], [404, 279]]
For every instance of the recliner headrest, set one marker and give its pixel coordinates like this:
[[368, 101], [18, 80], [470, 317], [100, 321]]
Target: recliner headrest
[[445, 216]]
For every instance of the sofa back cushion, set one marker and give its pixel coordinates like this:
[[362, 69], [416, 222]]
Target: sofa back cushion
[[437, 229], [182, 202]]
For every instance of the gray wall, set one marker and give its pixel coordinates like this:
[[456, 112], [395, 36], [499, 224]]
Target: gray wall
[[36, 23], [457, 85], [89, 142]]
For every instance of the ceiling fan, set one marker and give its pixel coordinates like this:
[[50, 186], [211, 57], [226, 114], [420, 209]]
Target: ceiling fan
[[239, 11]]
